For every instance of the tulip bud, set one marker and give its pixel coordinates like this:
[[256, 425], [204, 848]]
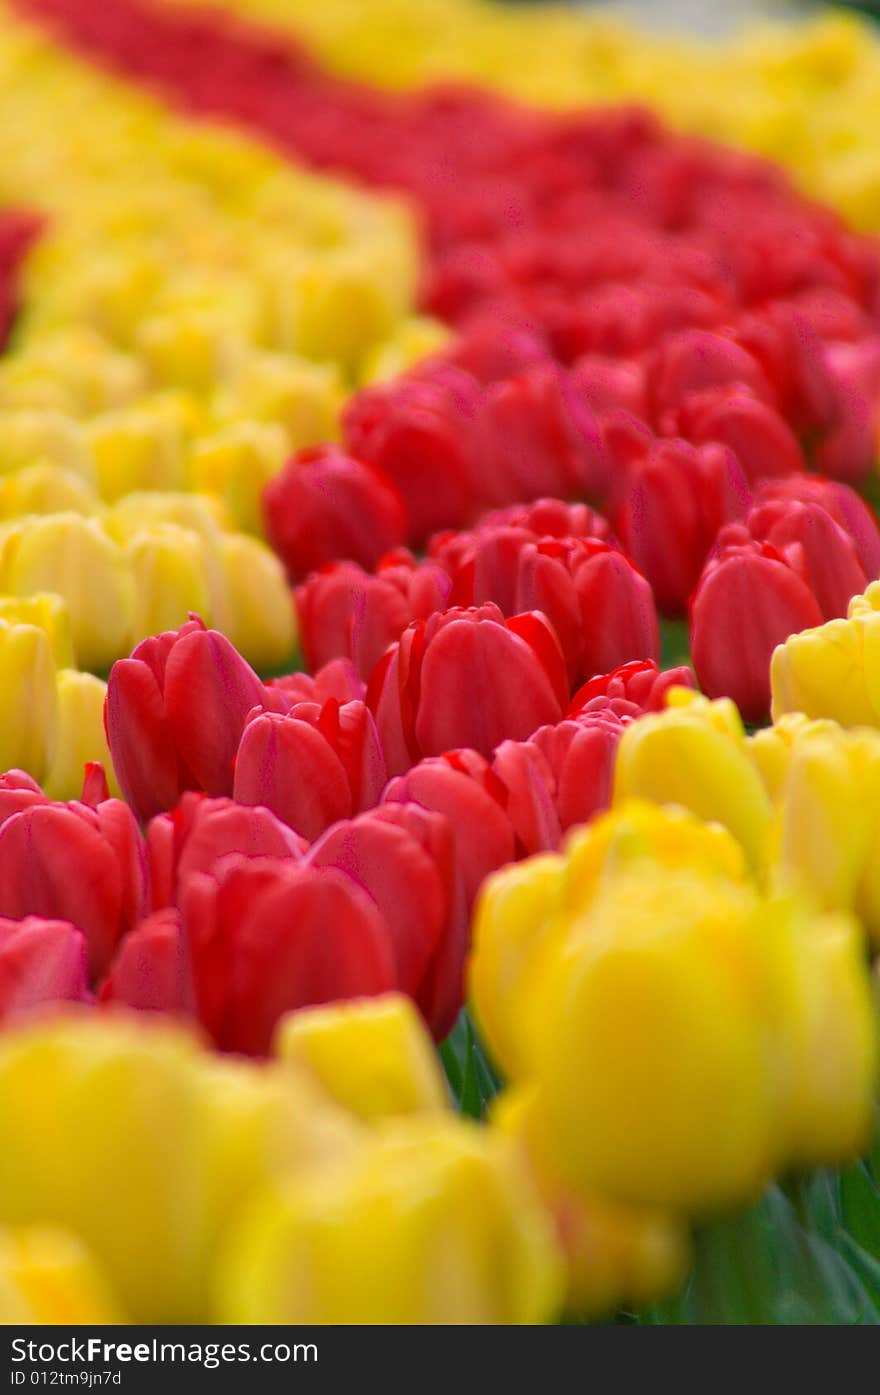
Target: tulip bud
[[28, 702], [80, 737], [372, 1056], [466, 678], [829, 671], [749, 600], [236, 463], [365, 1242], [695, 754], [266, 936], [259, 618], [136, 448], [41, 961], [311, 765], [195, 835], [175, 713], [73, 557], [48, 612], [325, 506], [46, 488], [48, 1277]]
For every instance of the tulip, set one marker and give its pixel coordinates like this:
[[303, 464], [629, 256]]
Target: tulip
[[695, 754], [536, 436], [828, 671], [324, 506], [491, 351], [346, 613], [821, 549], [259, 618], [311, 765], [75, 863], [175, 714], [41, 961], [632, 688], [849, 449], [73, 557], [80, 740], [601, 608], [674, 502], [46, 488], [369, 1241], [403, 857], [153, 1129], [462, 786], [174, 576], [28, 700], [417, 432], [372, 1056], [749, 600], [615, 1255], [545, 518], [844, 505], [752, 430], [151, 969], [48, 1277], [236, 463], [650, 951], [265, 936], [336, 679], [466, 678], [198, 832], [47, 612], [136, 448]]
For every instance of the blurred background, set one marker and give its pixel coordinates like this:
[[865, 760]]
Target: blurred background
[[717, 16]]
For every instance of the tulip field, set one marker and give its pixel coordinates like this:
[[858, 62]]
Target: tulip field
[[439, 666]]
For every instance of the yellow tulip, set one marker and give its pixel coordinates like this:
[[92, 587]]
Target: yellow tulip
[[302, 397], [614, 1254], [204, 514], [657, 1074], [48, 1276], [236, 462], [30, 436], [48, 612], [695, 754], [174, 574], [189, 347], [161, 1144], [834, 669], [28, 704], [258, 614], [136, 448], [373, 1056], [434, 1222], [80, 736], [45, 488], [74, 557], [414, 339], [514, 923]]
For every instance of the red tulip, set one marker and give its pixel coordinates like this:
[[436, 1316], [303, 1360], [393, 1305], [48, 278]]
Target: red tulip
[[600, 607], [41, 961], [466, 678], [199, 831], [18, 791], [756, 432], [819, 548], [749, 600], [461, 785], [676, 499], [630, 690], [610, 384], [695, 361], [345, 612], [417, 431], [325, 505], [402, 856], [537, 436], [490, 350], [545, 518], [844, 505], [151, 970], [174, 716], [338, 679], [75, 863], [560, 777], [265, 936], [850, 448], [312, 765]]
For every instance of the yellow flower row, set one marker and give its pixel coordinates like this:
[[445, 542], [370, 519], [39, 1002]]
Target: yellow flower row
[[197, 1188], [806, 95]]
